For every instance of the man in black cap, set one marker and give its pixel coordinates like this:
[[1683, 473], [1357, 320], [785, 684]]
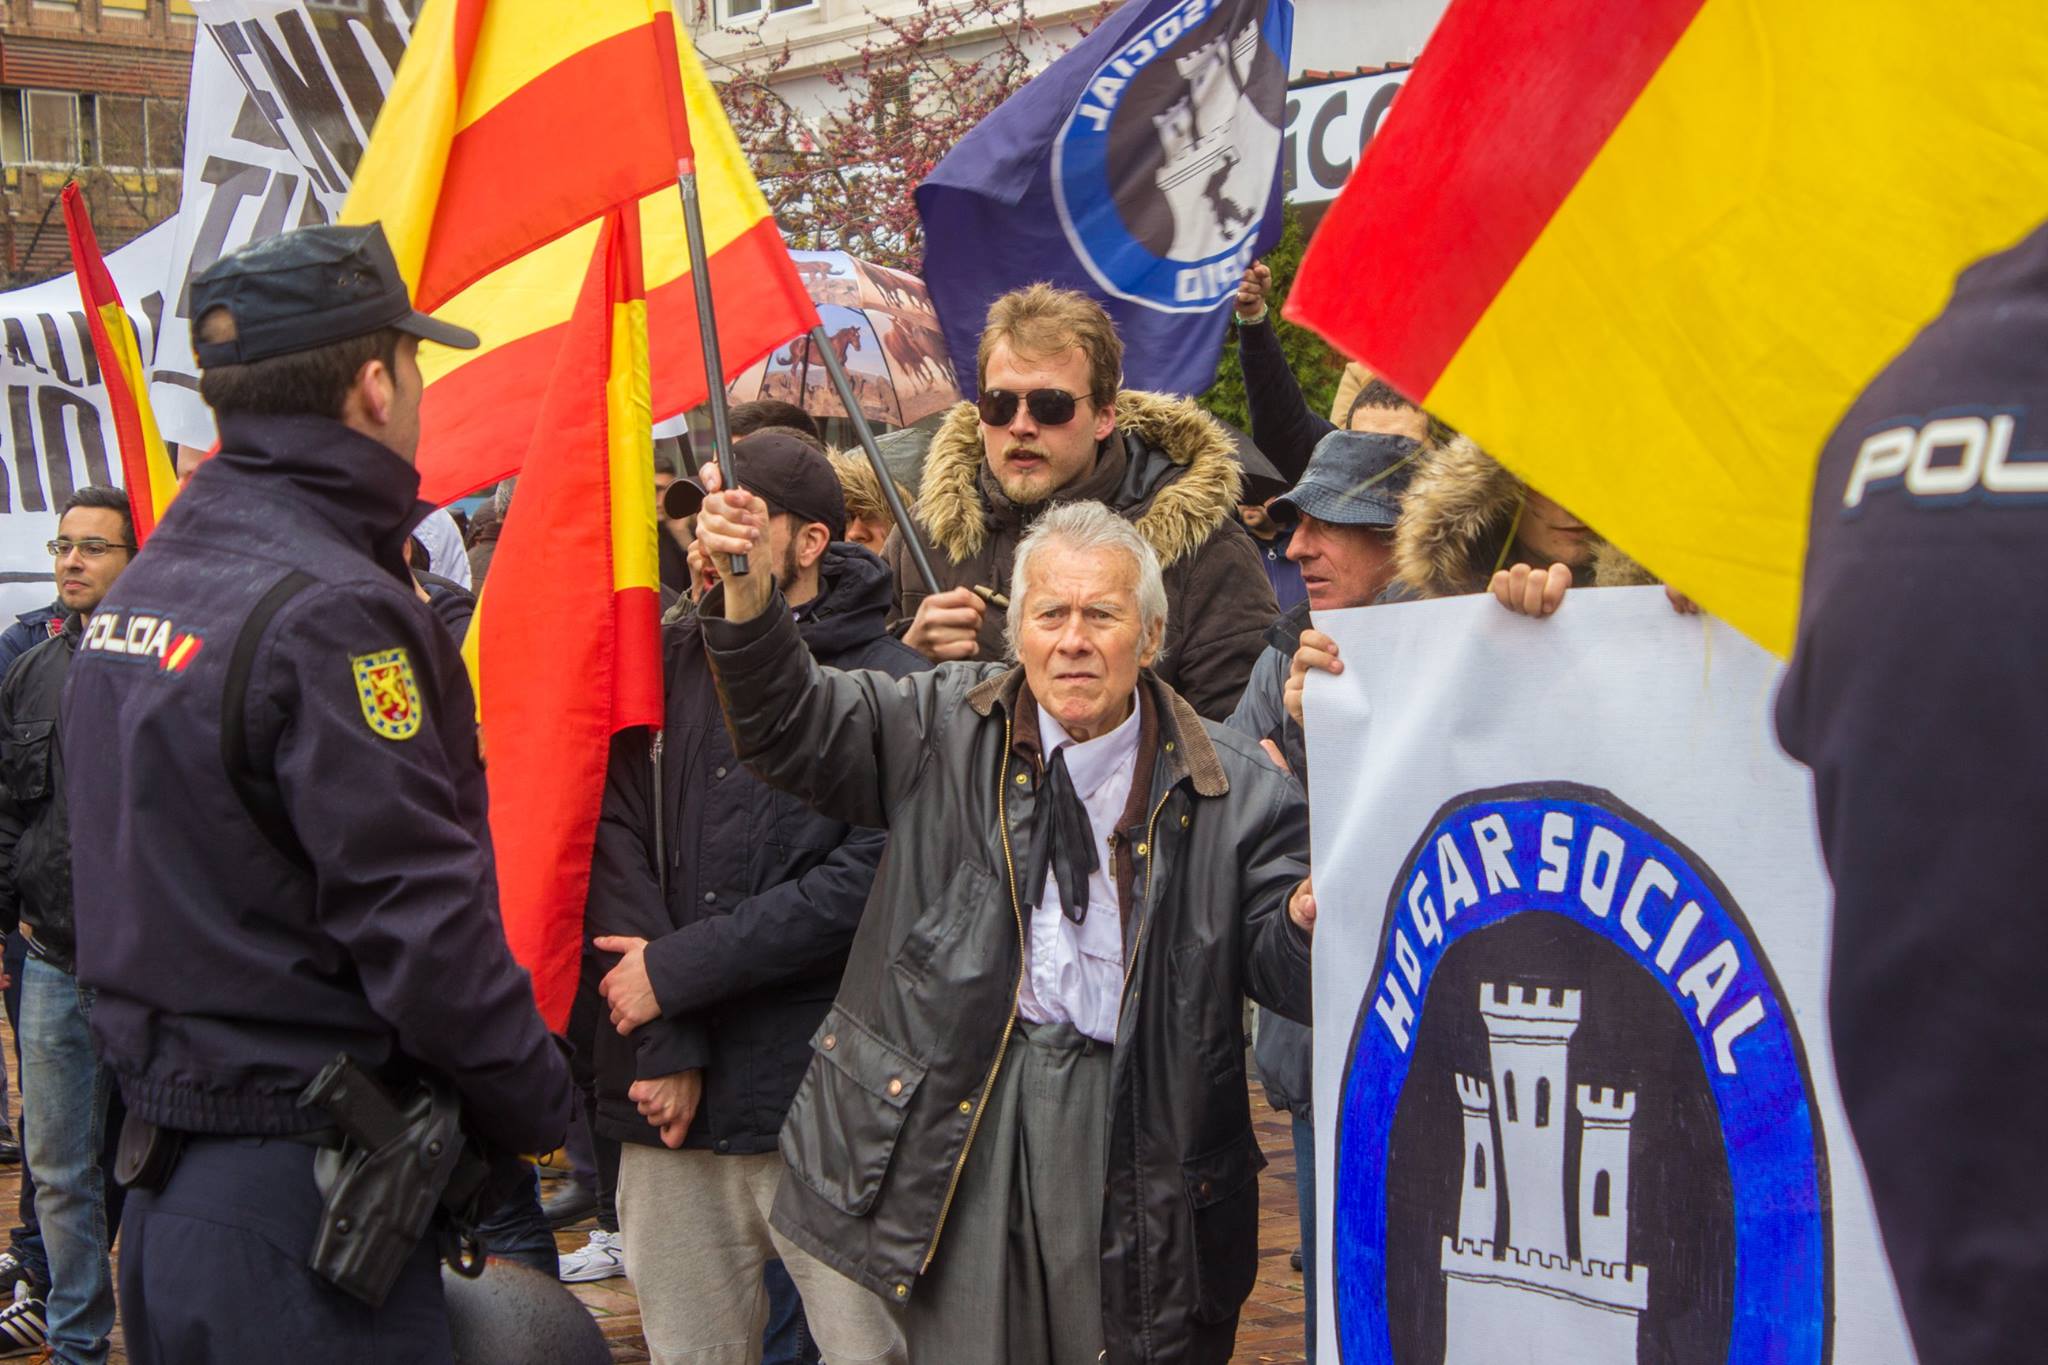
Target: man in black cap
[[277, 742], [1340, 520], [731, 907]]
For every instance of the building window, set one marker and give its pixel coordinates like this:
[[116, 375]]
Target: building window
[[1543, 1102], [1602, 1193], [747, 11], [52, 128], [167, 135], [1509, 1090], [124, 132], [1478, 1168], [13, 132]]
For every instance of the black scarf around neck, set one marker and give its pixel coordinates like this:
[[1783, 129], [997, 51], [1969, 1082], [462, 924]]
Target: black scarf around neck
[[1063, 842]]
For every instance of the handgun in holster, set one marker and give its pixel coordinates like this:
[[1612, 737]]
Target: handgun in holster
[[402, 1170]]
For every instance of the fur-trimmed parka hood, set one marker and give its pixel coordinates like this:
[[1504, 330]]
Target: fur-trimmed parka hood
[[1456, 520], [1168, 467]]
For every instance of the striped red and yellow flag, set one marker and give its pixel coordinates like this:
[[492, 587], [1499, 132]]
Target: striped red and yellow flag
[[1647, 251], [577, 546], [512, 126], [146, 467]]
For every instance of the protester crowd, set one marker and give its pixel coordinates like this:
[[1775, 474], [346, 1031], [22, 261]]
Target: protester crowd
[[912, 1019]]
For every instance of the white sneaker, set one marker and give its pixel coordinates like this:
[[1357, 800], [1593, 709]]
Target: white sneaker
[[600, 1258]]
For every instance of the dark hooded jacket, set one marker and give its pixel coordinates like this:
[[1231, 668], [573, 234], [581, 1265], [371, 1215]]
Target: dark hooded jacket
[[1167, 468], [35, 839], [291, 856], [882, 1126], [1458, 518], [749, 922]]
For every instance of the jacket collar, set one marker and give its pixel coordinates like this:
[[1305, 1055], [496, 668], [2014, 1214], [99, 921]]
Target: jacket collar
[[360, 486], [1185, 749], [1168, 467]]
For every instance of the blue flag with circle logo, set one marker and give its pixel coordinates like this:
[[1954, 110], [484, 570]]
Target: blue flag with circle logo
[[1142, 167]]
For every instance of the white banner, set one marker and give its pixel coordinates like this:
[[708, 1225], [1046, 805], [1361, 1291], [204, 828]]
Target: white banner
[[1327, 128], [279, 108], [1575, 1098]]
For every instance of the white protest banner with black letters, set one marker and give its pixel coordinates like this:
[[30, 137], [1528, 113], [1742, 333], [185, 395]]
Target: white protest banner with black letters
[[1574, 1093], [281, 101]]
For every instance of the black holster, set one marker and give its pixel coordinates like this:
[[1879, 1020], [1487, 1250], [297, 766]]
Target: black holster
[[400, 1171], [145, 1155]]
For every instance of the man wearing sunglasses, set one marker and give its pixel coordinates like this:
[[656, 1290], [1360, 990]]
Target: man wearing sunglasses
[[1051, 426]]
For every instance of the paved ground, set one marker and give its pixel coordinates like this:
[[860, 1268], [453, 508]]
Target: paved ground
[[1269, 1332]]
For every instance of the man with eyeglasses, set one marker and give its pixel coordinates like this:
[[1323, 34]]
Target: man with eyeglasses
[[1051, 426], [65, 1092]]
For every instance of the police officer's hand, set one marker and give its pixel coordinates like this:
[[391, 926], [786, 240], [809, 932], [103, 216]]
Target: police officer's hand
[[735, 523], [625, 987], [669, 1103]]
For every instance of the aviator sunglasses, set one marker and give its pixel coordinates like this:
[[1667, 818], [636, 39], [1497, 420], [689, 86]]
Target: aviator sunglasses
[[1048, 407]]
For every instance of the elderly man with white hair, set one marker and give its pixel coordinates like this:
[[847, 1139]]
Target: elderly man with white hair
[[1026, 1120]]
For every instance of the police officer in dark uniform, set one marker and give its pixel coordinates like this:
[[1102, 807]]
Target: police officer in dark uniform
[[1915, 695], [276, 741]]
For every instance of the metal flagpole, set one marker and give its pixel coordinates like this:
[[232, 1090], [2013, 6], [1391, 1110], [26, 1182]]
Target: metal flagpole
[[707, 334], [912, 542]]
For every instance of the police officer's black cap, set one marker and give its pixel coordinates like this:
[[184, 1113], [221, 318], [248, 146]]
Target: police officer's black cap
[[792, 475], [309, 288]]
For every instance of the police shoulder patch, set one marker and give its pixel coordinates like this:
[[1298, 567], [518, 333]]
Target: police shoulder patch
[[388, 692]]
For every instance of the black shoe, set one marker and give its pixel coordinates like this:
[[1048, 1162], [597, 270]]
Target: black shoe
[[13, 1272], [10, 1152], [24, 1328], [1294, 1258], [568, 1206]]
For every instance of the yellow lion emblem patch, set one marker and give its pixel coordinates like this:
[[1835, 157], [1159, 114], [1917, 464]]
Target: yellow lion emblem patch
[[389, 693]]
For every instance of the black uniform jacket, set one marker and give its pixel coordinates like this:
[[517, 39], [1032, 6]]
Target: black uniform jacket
[[746, 944], [345, 899]]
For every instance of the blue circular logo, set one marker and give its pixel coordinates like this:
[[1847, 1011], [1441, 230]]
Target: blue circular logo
[[1576, 1125], [1165, 166]]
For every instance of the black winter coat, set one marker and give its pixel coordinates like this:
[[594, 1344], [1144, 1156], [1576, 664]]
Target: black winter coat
[[35, 838], [746, 946], [883, 1124], [342, 896]]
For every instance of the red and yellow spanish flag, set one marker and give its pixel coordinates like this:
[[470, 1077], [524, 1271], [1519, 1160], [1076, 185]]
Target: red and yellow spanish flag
[[146, 467], [1647, 251], [512, 126], [565, 649]]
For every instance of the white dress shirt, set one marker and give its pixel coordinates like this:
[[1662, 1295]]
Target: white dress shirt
[[1074, 973]]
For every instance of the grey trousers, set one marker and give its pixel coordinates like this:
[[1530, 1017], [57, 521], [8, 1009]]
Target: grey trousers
[[697, 1237], [1018, 1276]]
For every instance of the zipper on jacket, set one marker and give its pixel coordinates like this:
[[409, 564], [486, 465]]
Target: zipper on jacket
[[1016, 996], [1138, 939], [660, 839]]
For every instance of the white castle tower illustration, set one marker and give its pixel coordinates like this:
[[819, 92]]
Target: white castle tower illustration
[[1528, 1300], [1217, 148]]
